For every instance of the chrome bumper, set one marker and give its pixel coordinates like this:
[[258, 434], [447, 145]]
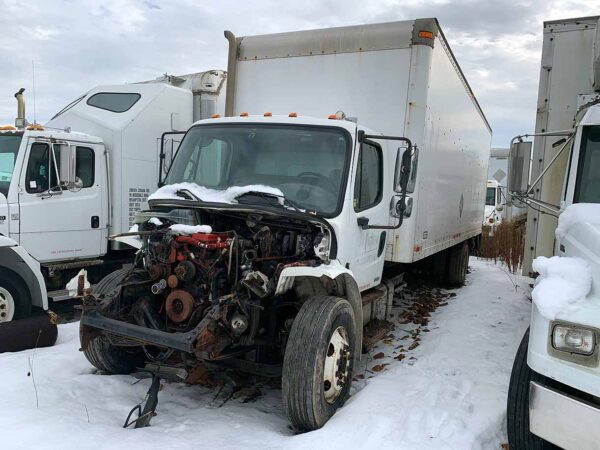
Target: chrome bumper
[[563, 420]]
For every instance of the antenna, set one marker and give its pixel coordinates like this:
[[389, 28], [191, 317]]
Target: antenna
[[33, 77]]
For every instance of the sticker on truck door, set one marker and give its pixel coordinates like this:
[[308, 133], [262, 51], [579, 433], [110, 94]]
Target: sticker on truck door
[[137, 196]]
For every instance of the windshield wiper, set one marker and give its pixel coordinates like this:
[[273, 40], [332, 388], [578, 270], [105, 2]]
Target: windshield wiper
[[286, 201], [189, 194]]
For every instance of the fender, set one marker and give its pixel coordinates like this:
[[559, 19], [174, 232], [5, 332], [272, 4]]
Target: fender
[[344, 278], [15, 258]]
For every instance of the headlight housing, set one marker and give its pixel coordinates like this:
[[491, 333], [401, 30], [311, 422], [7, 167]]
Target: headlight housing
[[573, 339]]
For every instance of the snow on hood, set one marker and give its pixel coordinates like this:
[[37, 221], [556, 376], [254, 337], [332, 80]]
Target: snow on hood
[[577, 213], [563, 283], [190, 229], [169, 192]]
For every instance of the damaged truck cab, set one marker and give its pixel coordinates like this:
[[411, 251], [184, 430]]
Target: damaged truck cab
[[264, 249]]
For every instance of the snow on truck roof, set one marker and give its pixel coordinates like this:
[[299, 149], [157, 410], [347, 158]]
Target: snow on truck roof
[[350, 39]]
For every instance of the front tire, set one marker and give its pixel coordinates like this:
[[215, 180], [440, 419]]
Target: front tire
[[15, 300], [318, 361], [97, 349], [517, 410]]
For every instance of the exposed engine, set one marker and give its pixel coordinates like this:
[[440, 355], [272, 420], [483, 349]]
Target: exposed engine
[[217, 281]]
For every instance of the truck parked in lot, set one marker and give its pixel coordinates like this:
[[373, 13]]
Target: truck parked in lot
[[62, 192], [555, 382], [345, 151], [494, 205]]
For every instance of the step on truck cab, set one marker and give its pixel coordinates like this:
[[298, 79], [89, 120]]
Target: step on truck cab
[[67, 185], [555, 382], [344, 150]]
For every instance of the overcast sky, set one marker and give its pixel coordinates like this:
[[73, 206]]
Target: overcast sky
[[79, 44]]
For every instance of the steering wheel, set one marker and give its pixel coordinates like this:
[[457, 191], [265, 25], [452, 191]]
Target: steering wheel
[[319, 176]]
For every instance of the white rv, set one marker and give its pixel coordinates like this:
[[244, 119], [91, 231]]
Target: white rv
[[67, 185], [344, 150], [555, 384]]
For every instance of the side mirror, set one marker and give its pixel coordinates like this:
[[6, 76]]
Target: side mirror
[[519, 160], [404, 178]]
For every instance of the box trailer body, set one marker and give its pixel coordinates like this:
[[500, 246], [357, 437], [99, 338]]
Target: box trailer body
[[568, 72], [390, 79]]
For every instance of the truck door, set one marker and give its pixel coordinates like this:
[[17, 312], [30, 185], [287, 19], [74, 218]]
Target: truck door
[[60, 221], [369, 206]]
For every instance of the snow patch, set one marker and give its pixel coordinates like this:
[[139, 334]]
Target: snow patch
[[563, 283], [577, 213], [155, 221], [134, 229], [190, 229], [169, 192]]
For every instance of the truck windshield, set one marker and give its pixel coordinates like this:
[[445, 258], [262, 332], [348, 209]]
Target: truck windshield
[[9, 147], [306, 163], [587, 188], [490, 196]]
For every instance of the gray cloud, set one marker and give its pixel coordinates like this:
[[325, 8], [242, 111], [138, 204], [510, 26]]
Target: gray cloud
[[77, 45]]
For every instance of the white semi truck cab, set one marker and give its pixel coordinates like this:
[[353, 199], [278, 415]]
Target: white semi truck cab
[[67, 185], [494, 204], [555, 384], [265, 249]]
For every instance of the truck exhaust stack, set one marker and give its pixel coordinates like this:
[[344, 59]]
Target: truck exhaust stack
[[20, 121]]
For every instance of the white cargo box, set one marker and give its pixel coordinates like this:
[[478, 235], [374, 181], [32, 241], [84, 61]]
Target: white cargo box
[[397, 78]]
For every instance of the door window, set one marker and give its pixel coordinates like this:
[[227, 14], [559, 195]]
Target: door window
[[41, 171], [84, 166], [369, 177]]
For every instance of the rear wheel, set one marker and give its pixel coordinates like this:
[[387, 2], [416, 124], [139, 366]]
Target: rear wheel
[[15, 301], [458, 262], [318, 361], [97, 348], [517, 411]]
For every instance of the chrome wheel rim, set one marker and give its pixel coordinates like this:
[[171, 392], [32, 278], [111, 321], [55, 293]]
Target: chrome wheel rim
[[7, 306], [337, 365]]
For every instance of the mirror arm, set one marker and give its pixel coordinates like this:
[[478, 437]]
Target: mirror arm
[[537, 180]]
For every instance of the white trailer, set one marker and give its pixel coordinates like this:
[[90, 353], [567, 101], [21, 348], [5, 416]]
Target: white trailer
[[62, 192], [555, 382], [290, 213]]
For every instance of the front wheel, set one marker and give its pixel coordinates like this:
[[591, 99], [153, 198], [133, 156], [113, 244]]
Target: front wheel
[[318, 361], [517, 410], [15, 301]]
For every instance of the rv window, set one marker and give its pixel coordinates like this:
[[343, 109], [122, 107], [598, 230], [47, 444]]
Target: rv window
[[369, 175], [41, 172], [84, 166], [114, 101], [587, 188]]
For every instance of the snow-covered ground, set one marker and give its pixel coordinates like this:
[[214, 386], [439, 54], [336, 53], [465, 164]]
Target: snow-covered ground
[[448, 392]]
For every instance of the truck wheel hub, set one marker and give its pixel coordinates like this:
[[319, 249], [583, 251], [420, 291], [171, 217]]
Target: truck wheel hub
[[7, 306], [337, 363]]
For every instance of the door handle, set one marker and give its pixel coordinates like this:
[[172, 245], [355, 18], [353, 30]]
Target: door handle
[[363, 222]]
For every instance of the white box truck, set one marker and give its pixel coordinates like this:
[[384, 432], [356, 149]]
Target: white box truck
[[265, 250], [62, 192], [555, 383]]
